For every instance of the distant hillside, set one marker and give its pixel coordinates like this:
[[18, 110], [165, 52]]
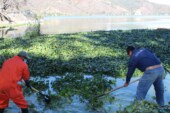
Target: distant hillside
[[29, 9], [142, 7], [96, 7]]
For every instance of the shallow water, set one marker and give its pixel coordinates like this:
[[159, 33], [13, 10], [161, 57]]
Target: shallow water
[[123, 97]]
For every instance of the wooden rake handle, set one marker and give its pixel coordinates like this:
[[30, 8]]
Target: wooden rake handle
[[116, 89], [35, 90]]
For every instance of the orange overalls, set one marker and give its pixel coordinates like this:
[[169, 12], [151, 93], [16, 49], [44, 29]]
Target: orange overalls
[[13, 70]]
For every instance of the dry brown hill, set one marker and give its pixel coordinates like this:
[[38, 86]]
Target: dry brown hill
[[35, 8], [96, 7]]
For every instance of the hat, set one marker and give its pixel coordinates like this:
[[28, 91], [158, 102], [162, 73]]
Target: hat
[[23, 54]]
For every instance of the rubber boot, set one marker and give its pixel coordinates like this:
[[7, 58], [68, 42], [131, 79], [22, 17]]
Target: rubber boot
[[1, 110], [24, 110]]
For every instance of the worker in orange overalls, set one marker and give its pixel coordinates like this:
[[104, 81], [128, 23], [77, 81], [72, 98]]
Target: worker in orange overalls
[[13, 71]]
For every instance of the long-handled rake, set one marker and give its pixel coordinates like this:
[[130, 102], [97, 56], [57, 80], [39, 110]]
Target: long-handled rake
[[115, 89], [46, 97]]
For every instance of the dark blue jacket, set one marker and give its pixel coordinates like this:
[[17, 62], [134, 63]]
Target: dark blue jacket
[[141, 59]]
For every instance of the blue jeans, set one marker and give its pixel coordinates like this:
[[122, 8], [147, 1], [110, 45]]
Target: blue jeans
[[155, 77]]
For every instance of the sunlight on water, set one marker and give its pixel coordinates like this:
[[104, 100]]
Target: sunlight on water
[[124, 97]]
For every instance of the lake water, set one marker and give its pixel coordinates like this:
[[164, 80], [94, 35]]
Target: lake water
[[65, 24], [123, 98], [73, 24]]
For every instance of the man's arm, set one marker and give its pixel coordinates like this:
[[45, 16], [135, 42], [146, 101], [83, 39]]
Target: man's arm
[[131, 70], [129, 74], [26, 75]]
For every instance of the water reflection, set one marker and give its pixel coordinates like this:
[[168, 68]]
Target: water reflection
[[13, 32], [6, 32], [17, 32]]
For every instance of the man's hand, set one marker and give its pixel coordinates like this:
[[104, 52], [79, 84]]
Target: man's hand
[[126, 84], [27, 83]]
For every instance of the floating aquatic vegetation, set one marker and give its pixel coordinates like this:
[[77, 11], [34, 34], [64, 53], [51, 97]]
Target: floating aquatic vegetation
[[145, 107], [100, 52], [85, 88], [96, 53]]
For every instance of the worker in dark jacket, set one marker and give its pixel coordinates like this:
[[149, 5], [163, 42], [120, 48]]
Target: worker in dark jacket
[[147, 62], [13, 71]]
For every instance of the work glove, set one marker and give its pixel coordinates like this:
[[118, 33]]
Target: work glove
[[126, 84], [27, 83]]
